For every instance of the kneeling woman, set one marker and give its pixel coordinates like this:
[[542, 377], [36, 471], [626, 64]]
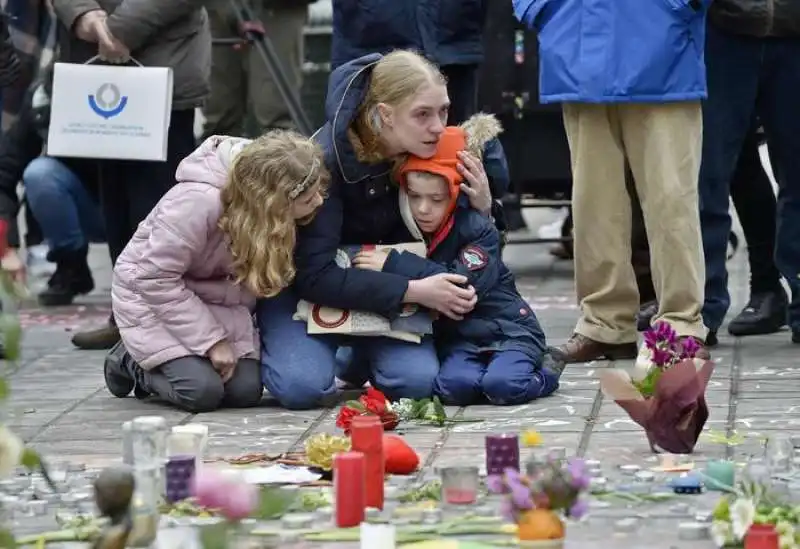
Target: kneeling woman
[[184, 288]]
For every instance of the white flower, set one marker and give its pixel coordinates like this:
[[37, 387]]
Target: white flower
[[786, 532], [402, 407], [721, 533], [743, 511], [643, 365], [786, 542], [11, 449]]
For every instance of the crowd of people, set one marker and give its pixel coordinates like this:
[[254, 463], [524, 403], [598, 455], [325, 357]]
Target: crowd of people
[[214, 248]]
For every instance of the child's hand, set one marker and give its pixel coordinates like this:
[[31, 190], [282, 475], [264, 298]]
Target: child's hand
[[372, 260]]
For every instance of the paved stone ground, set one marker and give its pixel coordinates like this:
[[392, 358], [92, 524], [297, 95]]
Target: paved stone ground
[[61, 407]]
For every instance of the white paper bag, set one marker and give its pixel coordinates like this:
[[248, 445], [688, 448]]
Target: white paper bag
[[113, 112]]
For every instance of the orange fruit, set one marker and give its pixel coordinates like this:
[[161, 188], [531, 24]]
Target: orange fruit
[[539, 524]]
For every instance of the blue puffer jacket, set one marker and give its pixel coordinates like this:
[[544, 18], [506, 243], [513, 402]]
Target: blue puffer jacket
[[614, 51], [448, 32], [502, 320], [362, 208]]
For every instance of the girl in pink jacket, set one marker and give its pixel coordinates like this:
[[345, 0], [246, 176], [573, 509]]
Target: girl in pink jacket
[[184, 288]]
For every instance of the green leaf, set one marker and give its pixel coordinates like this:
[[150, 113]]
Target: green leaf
[[12, 334], [355, 405], [7, 539], [419, 408], [438, 409], [214, 536], [30, 459], [273, 503]]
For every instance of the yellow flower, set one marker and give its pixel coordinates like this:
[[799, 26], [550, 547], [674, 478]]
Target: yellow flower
[[531, 438]]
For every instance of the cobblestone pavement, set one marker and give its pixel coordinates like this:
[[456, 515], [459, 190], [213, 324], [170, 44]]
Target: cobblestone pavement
[[61, 407]]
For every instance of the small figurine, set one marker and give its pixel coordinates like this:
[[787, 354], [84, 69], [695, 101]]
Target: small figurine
[[687, 484], [113, 492]]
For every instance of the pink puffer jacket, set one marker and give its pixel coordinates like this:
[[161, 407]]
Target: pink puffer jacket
[[173, 293]]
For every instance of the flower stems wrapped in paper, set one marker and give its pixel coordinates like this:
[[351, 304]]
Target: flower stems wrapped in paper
[[666, 394]]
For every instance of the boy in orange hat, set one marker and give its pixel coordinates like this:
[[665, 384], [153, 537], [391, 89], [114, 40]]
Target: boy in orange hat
[[496, 352]]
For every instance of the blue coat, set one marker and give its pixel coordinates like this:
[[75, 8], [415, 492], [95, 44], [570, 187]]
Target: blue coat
[[448, 32], [615, 51], [502, 320], [362, 208]]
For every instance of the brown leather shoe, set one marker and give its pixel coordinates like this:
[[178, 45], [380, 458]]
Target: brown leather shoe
[[104, 337], [580, 348]]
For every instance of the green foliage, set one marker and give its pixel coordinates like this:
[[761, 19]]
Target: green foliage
[[273, 503], [647, 385]]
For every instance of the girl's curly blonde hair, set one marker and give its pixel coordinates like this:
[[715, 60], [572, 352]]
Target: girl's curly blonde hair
[[257, 201]]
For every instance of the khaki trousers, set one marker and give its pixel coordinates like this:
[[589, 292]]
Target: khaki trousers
[[240, 80], [662, 144]]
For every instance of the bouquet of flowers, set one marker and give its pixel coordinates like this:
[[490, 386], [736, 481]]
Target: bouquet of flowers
[[666, 396], [373, 402], [535, 502], [752, 506]]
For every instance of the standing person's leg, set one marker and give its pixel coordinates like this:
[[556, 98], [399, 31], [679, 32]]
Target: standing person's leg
[[780, 112], [284, 26], [601, 209], [663, 142], [57, 197], [226, 107], [401, 369], [513, 378], [297, 369], [462, 87], [640, 259], [128, 191], [756, 205], [732, 68]]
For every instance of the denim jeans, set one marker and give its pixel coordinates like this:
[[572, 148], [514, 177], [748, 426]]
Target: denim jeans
[[298, 369], [749, 77], [69, 216]]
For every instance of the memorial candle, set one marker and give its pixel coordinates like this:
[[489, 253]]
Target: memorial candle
[[349, 490], [366, 436], [502, 452]]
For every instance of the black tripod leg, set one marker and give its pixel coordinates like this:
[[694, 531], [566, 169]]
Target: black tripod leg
[[267, 52]]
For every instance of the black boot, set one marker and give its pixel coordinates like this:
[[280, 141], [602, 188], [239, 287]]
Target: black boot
[[122, 374], [645, 315], [765, 313], [71, 279]]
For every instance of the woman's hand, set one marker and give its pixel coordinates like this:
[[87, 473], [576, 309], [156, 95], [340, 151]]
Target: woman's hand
[[476, 183], [13, 265], [373, 260], [443, 293]]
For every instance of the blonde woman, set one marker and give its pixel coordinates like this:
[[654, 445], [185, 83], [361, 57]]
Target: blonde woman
[[379, 108], [185, 287]]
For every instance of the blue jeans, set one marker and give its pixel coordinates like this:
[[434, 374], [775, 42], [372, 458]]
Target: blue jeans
[[749, 77], [504, 378], [69, 216], [298, 369]]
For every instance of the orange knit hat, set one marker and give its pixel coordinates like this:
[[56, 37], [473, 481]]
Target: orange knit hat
[[443, 162]]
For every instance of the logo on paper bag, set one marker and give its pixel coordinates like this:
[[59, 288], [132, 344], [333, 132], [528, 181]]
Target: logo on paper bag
[[108, 101]]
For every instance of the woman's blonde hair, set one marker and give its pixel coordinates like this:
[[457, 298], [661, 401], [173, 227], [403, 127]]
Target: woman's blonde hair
[[395, 79], [266, 176]]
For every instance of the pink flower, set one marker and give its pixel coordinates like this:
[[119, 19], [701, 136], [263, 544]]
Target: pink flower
[[241, 501], [233, 499], [578, 509], [211, 488]]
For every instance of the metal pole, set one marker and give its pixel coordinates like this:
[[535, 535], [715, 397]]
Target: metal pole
[[266, 51]]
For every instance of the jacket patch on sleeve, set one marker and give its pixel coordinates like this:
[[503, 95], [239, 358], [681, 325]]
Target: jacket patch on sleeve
[[474, 258]]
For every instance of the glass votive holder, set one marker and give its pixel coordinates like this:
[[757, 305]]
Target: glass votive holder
[[778, 452], [459, 485], [502, 452]]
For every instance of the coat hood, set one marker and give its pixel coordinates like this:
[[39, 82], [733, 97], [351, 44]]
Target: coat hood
[[211, 161]]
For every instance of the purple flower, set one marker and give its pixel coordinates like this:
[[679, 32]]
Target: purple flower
[[661, 336], [578, 509], [576, 468], [689, 347], [521, 497], [662, 357], [495, 484]]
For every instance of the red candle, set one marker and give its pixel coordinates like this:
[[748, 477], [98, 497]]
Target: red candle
[[348, 487], [366, 435], [761, 536]]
